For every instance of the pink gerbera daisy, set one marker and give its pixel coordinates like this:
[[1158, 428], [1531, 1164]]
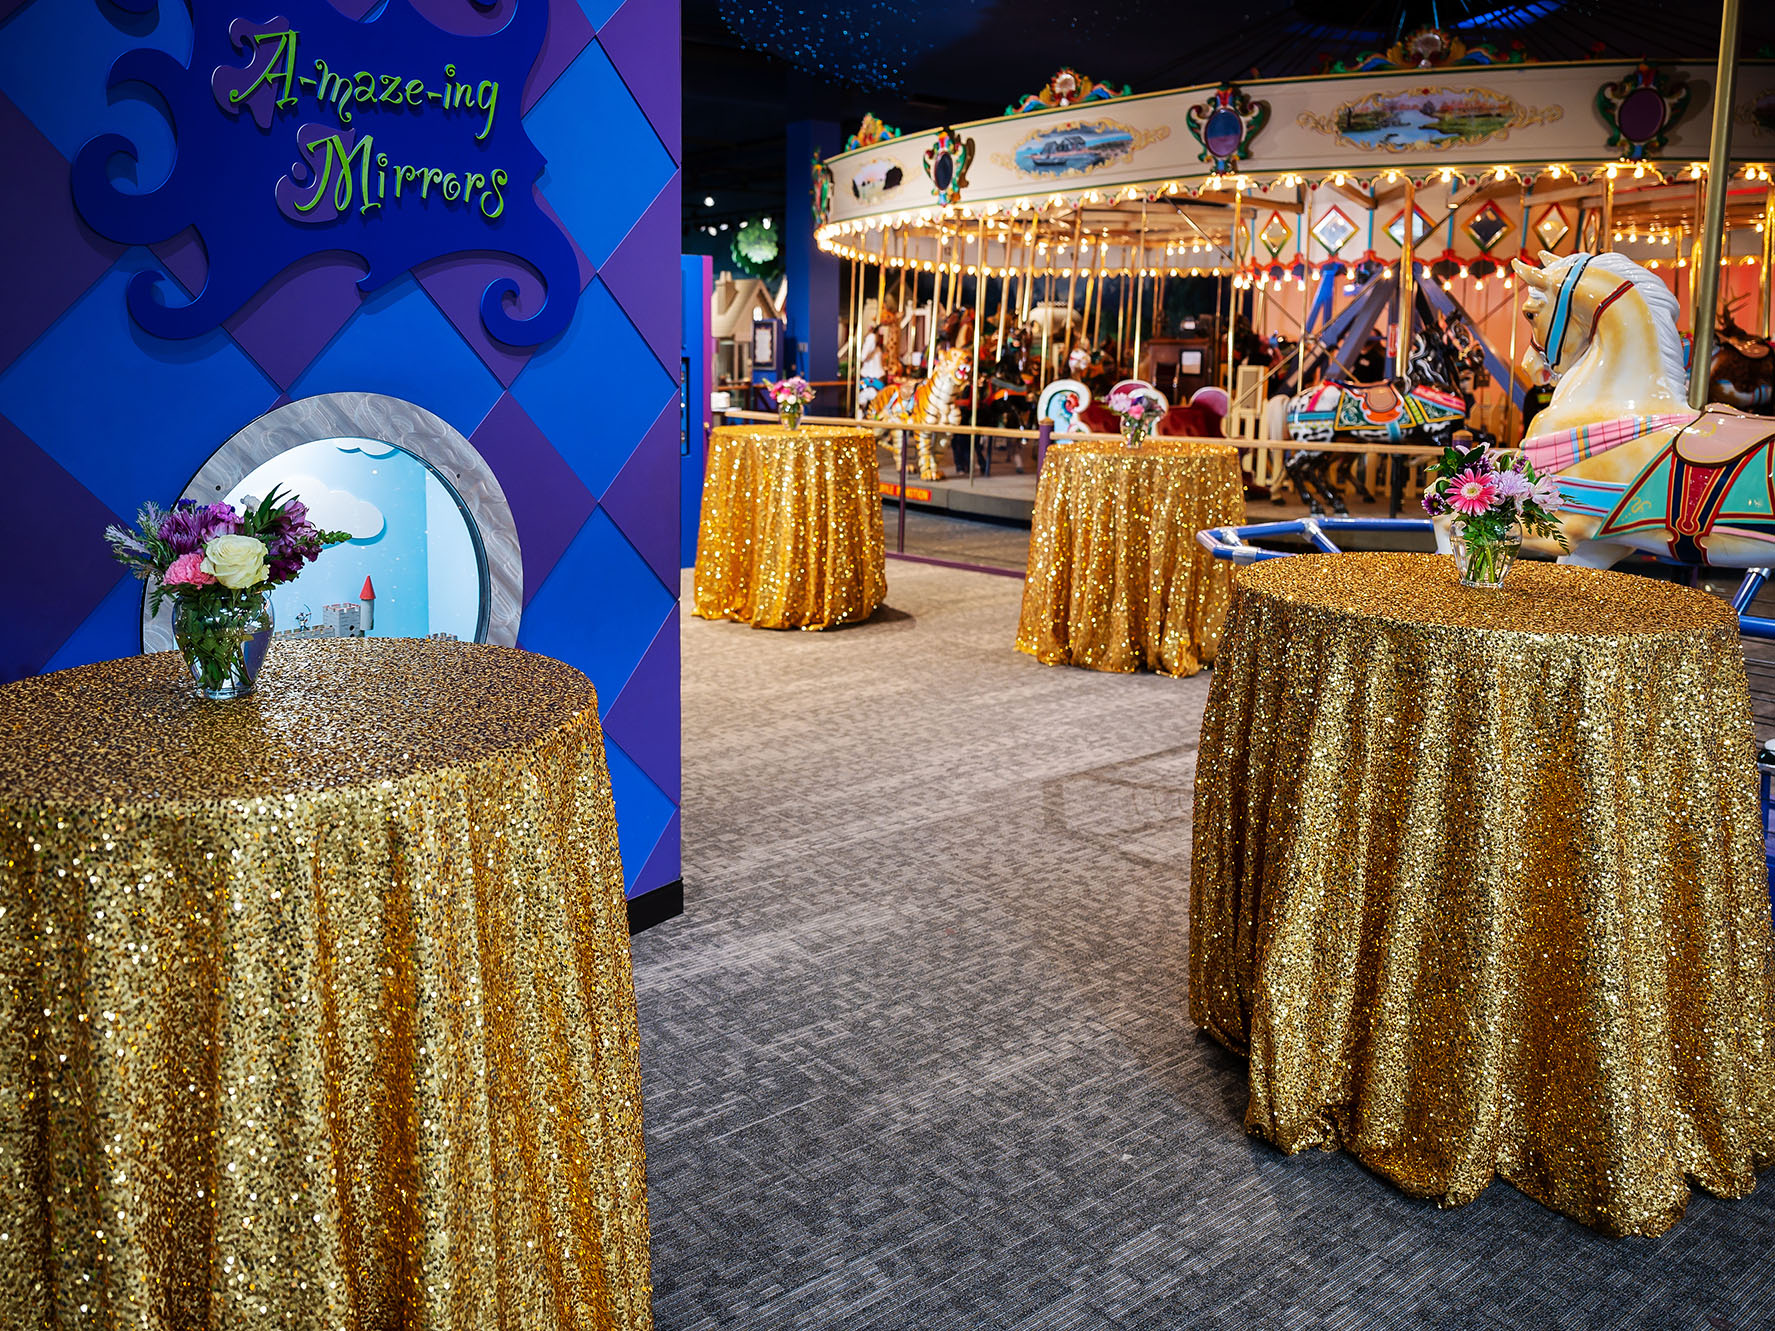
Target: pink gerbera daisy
[[1472, 493]]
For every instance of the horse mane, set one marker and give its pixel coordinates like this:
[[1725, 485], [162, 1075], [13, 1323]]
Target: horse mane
[[1660, 304]]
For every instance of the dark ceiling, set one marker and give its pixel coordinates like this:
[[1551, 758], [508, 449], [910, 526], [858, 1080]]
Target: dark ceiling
[[752, 66]]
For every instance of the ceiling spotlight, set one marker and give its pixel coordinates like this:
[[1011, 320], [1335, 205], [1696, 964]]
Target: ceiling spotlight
[[767, 224], [708, 200]]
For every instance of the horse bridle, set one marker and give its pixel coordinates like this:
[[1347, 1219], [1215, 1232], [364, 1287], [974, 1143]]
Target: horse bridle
[[1560, 323]]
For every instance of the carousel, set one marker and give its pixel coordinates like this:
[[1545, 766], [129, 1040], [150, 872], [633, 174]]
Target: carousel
[[1319, 268]]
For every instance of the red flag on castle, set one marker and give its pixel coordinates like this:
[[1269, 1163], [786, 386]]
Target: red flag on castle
[[368, 597]]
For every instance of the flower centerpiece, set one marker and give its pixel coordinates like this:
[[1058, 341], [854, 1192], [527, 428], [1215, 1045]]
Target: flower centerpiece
[[219, 567], [1140, 410], [792, 396], [1493, 497]]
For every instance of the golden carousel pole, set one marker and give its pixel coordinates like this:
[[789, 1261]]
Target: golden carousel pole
[[1047, 319], [1606, 233], [1305, 238], [1515, 323], [1072, 280], [1139, 292], [1407, 278], [1768, 292], [1232, 302], [1028, 284], [856, 337], [979, 318], [1090, 294], [1004, 293], [1094, 317], [1707, 294]]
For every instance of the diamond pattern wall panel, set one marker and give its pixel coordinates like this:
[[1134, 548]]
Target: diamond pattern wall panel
[[96, 415]]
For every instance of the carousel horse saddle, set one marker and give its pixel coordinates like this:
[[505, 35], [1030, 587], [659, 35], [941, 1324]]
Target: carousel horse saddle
[[1721, 435], [1751, 348], [1379, 401]]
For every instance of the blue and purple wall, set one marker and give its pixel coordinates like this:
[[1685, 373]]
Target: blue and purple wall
[[582, 430]]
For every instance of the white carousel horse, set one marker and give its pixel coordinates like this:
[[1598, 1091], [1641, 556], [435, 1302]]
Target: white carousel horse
[[935, 400], [1638, 468]]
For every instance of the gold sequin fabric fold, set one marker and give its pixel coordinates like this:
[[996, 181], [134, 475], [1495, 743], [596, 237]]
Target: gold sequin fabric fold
[[1116, 578], [318, 1008], [1478, 882], [791, 533]]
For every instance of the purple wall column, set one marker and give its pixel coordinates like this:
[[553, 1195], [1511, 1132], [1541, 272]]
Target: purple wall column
[[813, 275]]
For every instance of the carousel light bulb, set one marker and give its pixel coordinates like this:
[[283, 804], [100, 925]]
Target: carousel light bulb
[[1392, 176], [1447, 175], [1509, 282], [1338, 179], [1611, 171], [1445, 284], [1479, 284], [1387, 271], [1498, 174], [1639, 173]]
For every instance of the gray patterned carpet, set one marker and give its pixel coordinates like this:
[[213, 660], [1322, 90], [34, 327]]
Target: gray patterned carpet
[[917, 1054]]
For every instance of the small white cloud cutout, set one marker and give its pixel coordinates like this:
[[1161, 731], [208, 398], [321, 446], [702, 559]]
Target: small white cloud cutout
[[336, 510], [370, 448]]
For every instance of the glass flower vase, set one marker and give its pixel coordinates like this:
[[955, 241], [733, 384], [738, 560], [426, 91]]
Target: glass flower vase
[[789, 414], [1484, 558], [224, 641], [1133, 433]]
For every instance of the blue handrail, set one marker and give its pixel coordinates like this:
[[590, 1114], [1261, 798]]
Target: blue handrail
[[1234, 543]]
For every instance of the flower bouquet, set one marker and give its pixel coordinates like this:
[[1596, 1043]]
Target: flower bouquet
[[1493, 496], [792, 397], [219, 566], [1140, 411]]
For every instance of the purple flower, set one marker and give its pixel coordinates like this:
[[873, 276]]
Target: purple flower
[[1513, 485], [1547, 494], [188, 527], [295, 513]]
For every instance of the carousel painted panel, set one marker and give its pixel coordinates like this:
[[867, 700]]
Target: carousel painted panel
[[1418, 120], [880, 179]]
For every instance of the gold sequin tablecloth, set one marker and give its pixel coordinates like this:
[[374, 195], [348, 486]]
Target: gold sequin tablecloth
[[1478, 882], [791, 529], [1116, 579], [316, 1008]]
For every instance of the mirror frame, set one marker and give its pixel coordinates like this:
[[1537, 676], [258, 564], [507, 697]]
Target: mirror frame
[[405, 425]]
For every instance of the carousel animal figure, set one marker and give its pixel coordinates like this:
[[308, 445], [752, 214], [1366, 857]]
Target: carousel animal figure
[[1638, 468], [1424, 405], [1742, 373], [935, 400]]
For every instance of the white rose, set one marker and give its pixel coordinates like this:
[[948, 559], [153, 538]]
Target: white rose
[[235, 561]]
